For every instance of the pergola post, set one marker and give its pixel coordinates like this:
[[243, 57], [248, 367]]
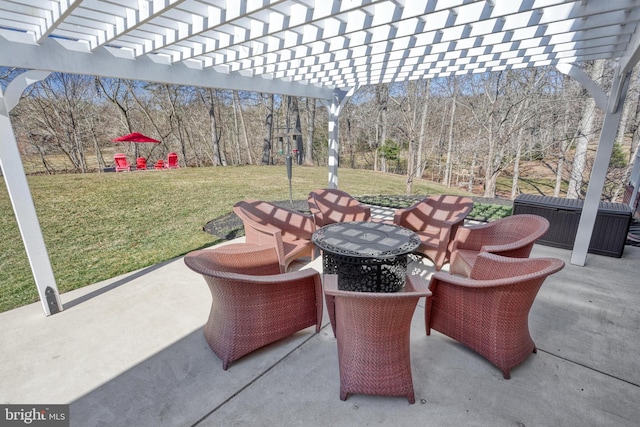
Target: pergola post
[[591, 203], [334, 109], [20, 195]]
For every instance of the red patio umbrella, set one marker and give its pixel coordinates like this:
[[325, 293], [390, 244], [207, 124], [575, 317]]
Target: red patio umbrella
[[135, 137]]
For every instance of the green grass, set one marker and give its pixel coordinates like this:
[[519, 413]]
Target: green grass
[[98, 226]]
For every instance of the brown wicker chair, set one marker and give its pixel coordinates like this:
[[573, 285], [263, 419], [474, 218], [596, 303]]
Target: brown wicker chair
[[489, 312], [512, 236], [252, 303], [372, 330], [435, 219], [329, 206], [288, 231]]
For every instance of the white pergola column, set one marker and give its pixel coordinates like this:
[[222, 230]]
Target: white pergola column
[[612, 106], [600, 168], [20, 195], [334, 108]]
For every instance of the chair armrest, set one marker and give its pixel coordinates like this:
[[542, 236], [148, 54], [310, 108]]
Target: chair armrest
[[400, 214], [506, 247], [302, 225], [261, 234], [472, 238], [450, 279]]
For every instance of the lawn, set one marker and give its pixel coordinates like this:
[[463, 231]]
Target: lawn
[[98, 226]]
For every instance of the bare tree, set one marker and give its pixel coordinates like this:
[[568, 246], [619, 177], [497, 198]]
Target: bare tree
[[59, 113], [584, 134], [447, 170], [420, 164], [296, 129], [238, 107], [268, 127], [382, 101], [311, 121], [219, 159]]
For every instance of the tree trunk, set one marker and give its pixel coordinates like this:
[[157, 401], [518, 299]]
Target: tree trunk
[[633, 149], [268, 126], [215, 141], [489, 177], [516, 166], [243, 126], [311, 121], [447, 169], [420, 165], [584, 134], [297, 130], [382, 97], [564, 143]]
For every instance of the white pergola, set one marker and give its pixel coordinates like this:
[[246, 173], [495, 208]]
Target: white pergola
[[323, 49]]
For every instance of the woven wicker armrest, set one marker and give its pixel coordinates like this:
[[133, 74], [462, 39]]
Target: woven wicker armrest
[[414, 285], [250, 259], [446, 279], [506, 246], [472, 238], [493, 266]]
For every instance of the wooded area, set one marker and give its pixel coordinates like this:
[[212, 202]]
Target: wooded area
[[464, 131]]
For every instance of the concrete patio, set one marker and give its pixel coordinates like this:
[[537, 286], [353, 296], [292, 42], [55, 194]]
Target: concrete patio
[[130, 352]]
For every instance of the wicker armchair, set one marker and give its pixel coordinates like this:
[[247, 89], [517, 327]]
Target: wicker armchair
[[435, 220], [329, 206], [489, 312], [252, 303], [288, 231], [372, 330], [512, 236]]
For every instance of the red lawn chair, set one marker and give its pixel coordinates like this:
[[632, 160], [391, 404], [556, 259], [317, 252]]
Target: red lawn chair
[[121, 162], [141, 163], [172, 161]]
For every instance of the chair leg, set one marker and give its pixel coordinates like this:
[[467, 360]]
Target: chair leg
[[427, 315]]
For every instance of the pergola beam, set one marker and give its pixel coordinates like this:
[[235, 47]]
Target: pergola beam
[[54, 55]]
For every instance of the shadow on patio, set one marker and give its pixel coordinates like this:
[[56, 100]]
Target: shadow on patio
[[135, 355]]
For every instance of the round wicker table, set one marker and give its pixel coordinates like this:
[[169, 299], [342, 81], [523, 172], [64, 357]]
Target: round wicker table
[[366, 256]]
